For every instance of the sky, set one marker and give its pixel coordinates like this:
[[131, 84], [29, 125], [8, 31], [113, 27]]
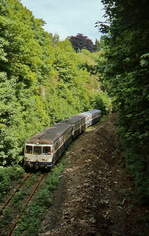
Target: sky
[[68, 17]]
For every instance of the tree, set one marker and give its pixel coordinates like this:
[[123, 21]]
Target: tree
[[41, 80], [80, 42], [125, 75], [97, 45]]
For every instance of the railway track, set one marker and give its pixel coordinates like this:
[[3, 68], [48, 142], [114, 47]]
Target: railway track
[[13, 224], [17, 189], [43, 176]]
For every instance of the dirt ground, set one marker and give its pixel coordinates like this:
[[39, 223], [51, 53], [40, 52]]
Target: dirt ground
[[96, 194]]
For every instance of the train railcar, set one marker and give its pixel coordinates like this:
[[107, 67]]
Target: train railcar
[[88, 118], [78, 124], [43, 149], [91, 117], [96, 114]]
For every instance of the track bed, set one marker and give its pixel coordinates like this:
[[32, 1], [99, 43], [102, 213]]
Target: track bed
[[18, 200]]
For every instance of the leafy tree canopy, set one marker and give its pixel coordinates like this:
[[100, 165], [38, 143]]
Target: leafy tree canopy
[[125, 73], [41, 79], [81, 41]]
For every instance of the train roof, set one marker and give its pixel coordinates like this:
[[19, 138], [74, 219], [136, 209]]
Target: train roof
[[72, 120], [86, 113], [95, 111], [90, 112], [49, 135]]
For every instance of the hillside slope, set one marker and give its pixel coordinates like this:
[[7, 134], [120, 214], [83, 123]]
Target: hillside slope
[[96, 194]]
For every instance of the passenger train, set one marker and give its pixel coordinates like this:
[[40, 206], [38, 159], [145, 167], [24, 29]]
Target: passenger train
[[45, 148]]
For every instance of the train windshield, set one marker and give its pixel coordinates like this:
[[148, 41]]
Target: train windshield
[[29, 149], [47, 150], [37, 150]]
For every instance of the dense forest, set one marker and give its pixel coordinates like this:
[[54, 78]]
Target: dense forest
[[42, 79], [124, 66]]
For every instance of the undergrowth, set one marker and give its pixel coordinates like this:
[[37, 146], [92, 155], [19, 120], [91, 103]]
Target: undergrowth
[[31, 220], [8, 178], [15, 206]]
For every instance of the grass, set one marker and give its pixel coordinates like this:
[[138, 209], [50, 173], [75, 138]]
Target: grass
[[8, 178], [30, 223], [16, 205]]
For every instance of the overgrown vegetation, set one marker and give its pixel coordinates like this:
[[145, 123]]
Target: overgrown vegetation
[[30, 223], [16, 204], [125, 70], [41, 80], [8, 178]]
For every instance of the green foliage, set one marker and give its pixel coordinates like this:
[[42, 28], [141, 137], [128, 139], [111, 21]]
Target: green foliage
[[81, 41], [7, 177], [144, 60], [30, 223], [125, 72], [103, 101], [42, 80]]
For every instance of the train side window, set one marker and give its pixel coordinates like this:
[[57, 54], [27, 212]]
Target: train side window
[[57, 144], [46, 150], [29, 149], [37, 150]]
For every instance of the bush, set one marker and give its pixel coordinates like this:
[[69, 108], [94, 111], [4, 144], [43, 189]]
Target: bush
[[7, 176]]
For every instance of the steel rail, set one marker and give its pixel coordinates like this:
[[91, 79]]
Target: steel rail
[[17, 189], [27, 203]]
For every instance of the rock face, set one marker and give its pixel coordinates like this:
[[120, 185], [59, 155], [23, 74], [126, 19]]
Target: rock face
[[93, 198]]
